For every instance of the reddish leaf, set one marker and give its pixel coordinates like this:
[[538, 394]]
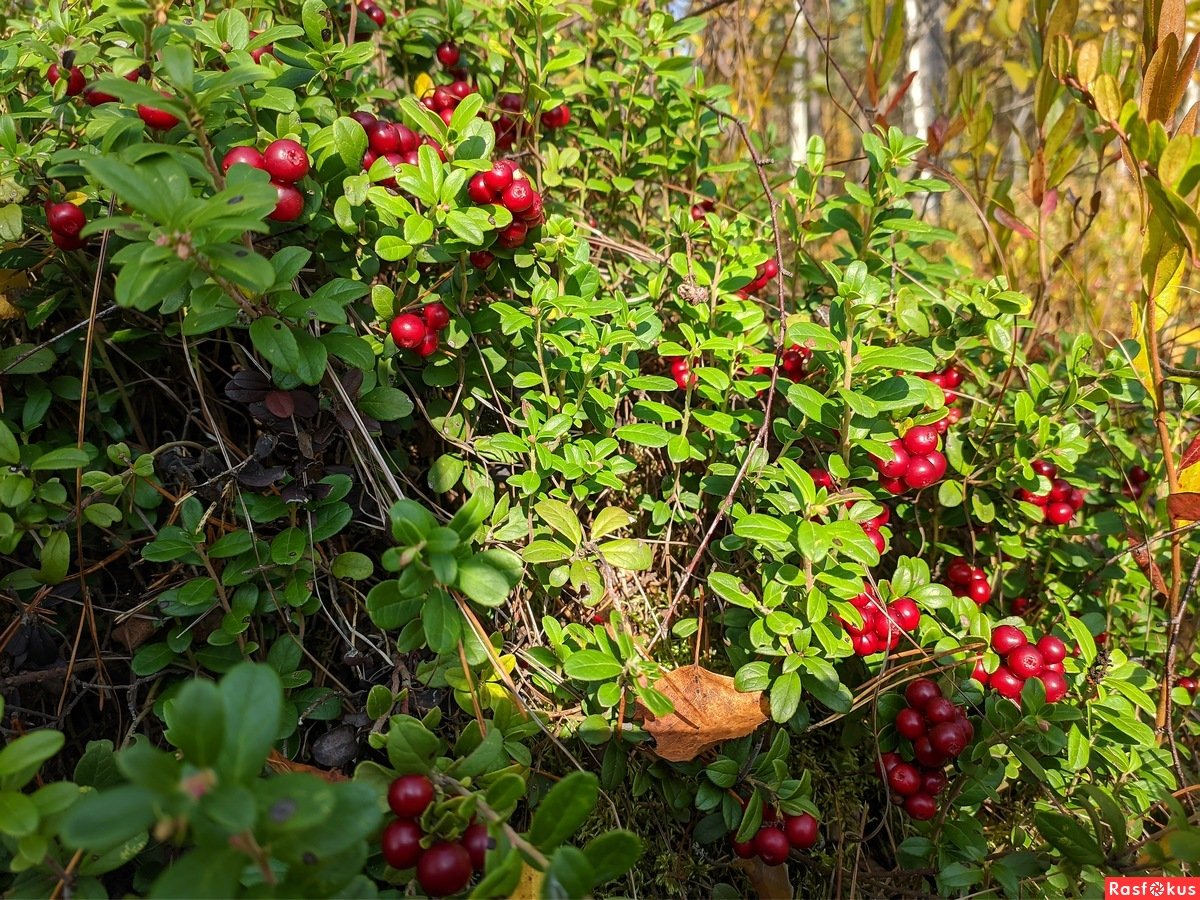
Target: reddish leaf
[[1191, 455], [1141, 555], [1008, 220], [280, 404], [1184, 505]]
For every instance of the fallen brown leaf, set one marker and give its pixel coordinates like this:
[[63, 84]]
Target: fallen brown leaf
[[708, 710], [279, 763], [770, 882]]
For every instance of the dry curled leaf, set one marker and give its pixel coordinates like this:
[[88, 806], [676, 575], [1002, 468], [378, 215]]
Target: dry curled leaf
[[708, 710], [281, 765], [1147, 564], [1184, 506], [770, 882]]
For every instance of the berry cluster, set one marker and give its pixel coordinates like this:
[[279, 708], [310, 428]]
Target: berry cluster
[[286, 162], [882, 626], [1061, 502], [1135, 482], [939, 731], [444, 99], [508, 124], [393, 141], [776, 839], [1023, 660], [966, 580], [916, 462], [507, 185], [420, 333], [681, 371], [793, 364], [66, 220], [764, 273], [372, 11], [445, 867], [948, 380]]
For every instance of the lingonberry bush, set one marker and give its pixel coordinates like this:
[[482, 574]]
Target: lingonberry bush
[[448, 451]]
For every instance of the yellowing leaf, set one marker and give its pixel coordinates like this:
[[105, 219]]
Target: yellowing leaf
[[76, 197], [530, 885], [708, 709]]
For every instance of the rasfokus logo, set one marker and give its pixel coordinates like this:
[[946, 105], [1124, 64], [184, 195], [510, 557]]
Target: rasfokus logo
[[1151, 887]]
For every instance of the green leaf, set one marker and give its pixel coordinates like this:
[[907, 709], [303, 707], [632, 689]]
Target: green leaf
[[105, 819], [445, 472], [592, 665], [18, 814], [21, 759], [350, 139], [253, 700], [627, 553], [563, 810], [644, 434], [353, 566], [275, 341], [205, 873], [62, 458], [608, 520], [785, 696], [9, 451], [561, 518], [488, 577], [1069, 837], [386, 404], [196, 722], [758, 527]]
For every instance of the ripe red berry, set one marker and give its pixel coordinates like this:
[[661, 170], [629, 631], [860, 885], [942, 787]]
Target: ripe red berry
[[920, 806], [67, 241], [904, 779], [477, 841], [937, 460], [865, 644], [383, 137], [518, 196], [559, 117], [482, 259], [926, 755], [1006, 683], [364, 118], [939, 709], [801, 831], [921, 472], [447, 54], [286, 160], [401, 843], [959, 572], [1006, 638], [933, 782], [1044, 467], [500, 176], [897, 465], [479, 191], [429, 344], [980, 591], [948, 739], [158, 119], [1055, 685], [75, 79], [513, 235], [1188, 683], [822, 479], [952, 376], [980, 672], [886, 762], [743, 849], [243, 156], [444, 869], [905, 613], [772, 845], [1057, 513], [920, 440], [289, 203], [1019, 606], [65, 218], [910, 724], [1138, 475], [410, 795], [1025, 661], [436, 316], [920, 692], [1052, 649], [408, 330]]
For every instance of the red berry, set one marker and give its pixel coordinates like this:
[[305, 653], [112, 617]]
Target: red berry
[[408, 331], [158, 119], [933, 782], [948, 739], [801, 831], [1138, 475], [893, 485], [436, 316], [259, 52], [518, 196], [513, 235], [93, 97], [1025, 661], [243, 156], [1059, 513], [921, 807], [743, 849], [959, 572], [952, 376], [482, 259], [1187, 683], [1055, 686], [1101, 639], [937, 460], [368, 160], [1006, 683], [876, 538], [920, 692], [926, 755], [822, 479], [865, 644], [447, 54], [479, 191], [921, 473], [286, 160], [364, 118], [67, 241], [910, 724], [383, 137], [75, 79], [772, 846], [1044, 467], [1006, 638], [429, 344], [289, 203], [444, 869], [905, 613], [477, 841], [1060, 490], [939, 709], [886, 762], [1019, 606], [980, 673], [904, 779], [511, 102], [461, 89], [558, 117], [410, 795], [897, 465], [1052, 649], [401, 843], [500, 176], [920, 440], [65, 218], [980, 591]]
